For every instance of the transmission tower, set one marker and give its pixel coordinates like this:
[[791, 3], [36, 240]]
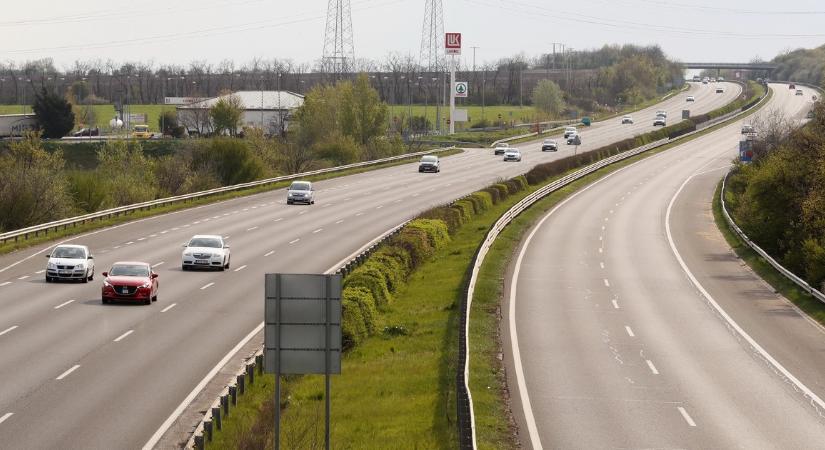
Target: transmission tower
[[339, 49], [432, 37]]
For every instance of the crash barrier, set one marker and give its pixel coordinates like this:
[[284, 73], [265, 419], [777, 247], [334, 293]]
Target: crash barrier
[[36, 230]]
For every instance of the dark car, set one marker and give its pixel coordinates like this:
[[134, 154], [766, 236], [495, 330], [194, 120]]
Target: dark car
[[131, 282], [429, 163], [791, 86], [87, 132], [549, 145], [574, 139]]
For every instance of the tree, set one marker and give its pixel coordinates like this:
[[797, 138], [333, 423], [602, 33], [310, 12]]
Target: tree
[[54, 114], [127, 172], [226, 114], [363, 114], [168, 124], [548, 98]]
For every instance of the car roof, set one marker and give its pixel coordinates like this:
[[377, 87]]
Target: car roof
[[72, 246], [134, 263], [216, 236]]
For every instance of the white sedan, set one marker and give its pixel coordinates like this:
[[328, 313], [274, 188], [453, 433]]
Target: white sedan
[[512, 154], [70, 262], [206, 251]]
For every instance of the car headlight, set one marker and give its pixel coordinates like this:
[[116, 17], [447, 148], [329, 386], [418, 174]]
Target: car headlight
[[106, 283], [51, 265], [145, 285], [80, 267], [187, 253]]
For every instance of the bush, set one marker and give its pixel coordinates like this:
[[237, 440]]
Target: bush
[[229, 159], [358, 316], [495, 195], [503, 192], [370, 276], [436, 231], [447, 214], [416, 243], [483, 201]]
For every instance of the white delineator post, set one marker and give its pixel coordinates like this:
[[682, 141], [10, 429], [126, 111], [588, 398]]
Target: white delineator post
[[452, 95]]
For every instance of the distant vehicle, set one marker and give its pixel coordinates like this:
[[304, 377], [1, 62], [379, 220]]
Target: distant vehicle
[[713, 80], [574, 139], [627, 119], [15, 125], [799, 92], [747, 128], [70, 262], [697, 78], [705, 81], [659, 121], [300, 192], [720, 90], [87, 132], [501, 148], [130, 281], [549, 145], [512, 154], [141, 132], [586, 121], [720, 79], [791, 86], [690, 98], [569, 130], [207, 251], [429, 163]]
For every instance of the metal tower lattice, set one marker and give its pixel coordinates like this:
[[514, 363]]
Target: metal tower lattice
[[432, 37], [339, 47]]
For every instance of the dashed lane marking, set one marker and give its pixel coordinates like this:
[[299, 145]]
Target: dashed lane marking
[[629, 331], [68, 372], [64, 304], [168, 307], [8, 330], [207, 286], [686, 416], [652, 367], [240, 268], [123, 336]]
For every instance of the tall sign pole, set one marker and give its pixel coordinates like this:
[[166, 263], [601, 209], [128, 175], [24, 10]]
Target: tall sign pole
[[452, 46]]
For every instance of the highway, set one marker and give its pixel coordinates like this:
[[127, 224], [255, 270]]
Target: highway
[[77, 374], [632, 324]]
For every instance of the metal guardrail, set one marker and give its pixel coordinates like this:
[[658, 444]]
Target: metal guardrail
[[24, 233], [467, 431]]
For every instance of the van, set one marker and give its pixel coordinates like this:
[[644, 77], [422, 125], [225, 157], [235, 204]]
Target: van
[[568, 131]]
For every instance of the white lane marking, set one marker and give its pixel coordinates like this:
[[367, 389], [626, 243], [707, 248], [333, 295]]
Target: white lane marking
[[40, 271], [601, 238], [129, 243], [347, 199], [399, 200], [186, 226], [8, 330], [175, 229], [153, 235], [652, 367], [606, 283], [168, 307], [416, 194], [278, 219], [158, 264], [607, 219], [23, 277], [226, 237], [604, 227], [686, 416], [123, 336], [611, 211], [142, 239], [601, 250], [820, 404], [66, 373], [252, 229], [601, 264], [197, 389], [269, 253], [294, 241], [240, 268], [379, 206], [318, 230], [302, 213], [615, 303], [340, 221], [629, 331], [359, 214], [63, 304], [116, 247], [207, 286], [196, 222], [164, 231], [5, 284], [5, 417]]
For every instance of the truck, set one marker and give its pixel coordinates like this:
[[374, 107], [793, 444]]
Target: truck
[[15, 125]]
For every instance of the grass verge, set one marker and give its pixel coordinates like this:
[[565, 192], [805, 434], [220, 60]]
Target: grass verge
[[11, 246], [787, 288]]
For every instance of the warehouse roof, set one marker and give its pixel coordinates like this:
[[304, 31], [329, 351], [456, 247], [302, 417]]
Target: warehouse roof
[[254, 100]]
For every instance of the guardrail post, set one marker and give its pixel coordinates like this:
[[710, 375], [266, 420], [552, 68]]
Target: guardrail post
[[225, 404], [233, 395], [216, 417], [250, 372], [259, 363], [207, 430], [199, 442], [241, 383]]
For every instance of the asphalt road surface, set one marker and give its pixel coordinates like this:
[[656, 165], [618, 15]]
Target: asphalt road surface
[[77, 374], [637, 327]]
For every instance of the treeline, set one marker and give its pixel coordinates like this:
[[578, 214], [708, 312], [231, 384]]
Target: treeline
[[779, 199], [803, 65], [607, 76]]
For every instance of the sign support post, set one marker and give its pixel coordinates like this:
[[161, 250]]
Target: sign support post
[[452, 46], [452, 96]]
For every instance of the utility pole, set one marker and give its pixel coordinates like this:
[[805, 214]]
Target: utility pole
[[474, 58]]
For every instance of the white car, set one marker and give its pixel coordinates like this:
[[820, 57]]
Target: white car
[[501, 148], [662, 113], [512, 154], [690, 98], [207, 251], [569, 130], [659, 121], [70, 262], [627, 119], [300, 192]]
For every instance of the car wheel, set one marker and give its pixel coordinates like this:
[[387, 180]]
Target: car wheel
[[48, 279], [289, 202], [312, 202], [85, 278], [148, 301], [155, 298], [104, 301], [92, 276], [228, 261]]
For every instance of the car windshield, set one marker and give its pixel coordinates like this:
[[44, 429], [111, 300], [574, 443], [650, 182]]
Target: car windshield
[[69, 252], [129, 270], [205, 242], [548, 141], [429, 159], [299, 187]]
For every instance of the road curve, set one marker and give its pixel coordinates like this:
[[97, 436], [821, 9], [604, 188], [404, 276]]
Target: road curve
[[78, 374], [620, 347]]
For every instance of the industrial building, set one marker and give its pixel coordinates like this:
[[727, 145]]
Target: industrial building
[[268, 110]]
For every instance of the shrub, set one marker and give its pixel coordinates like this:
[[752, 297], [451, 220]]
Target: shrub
[[370, 276], [416, 243], [436, 231], [465, 209], [484, 201], [495, 195], [230, 159], [358, 316], [447, 214], [503, 192]]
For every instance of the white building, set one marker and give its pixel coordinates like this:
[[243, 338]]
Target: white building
[[270, 110]]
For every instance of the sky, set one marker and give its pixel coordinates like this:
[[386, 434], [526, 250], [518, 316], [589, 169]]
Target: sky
[[182, 31]]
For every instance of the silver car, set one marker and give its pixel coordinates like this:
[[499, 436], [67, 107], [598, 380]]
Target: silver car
[[70, 262], [429, 163], [512, 154], [206, 251], [300, 192]]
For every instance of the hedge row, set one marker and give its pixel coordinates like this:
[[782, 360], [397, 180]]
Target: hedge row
[[371, 286]]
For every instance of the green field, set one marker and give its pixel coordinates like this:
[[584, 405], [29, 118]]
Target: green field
[[104, 113]]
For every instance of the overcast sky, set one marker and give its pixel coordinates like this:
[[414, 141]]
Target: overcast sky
[[181, 31]]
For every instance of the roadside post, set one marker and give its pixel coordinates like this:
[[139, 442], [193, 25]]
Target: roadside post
[[452, 46], [302, 333]]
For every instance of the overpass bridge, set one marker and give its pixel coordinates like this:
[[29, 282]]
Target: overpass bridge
[[732, 66]]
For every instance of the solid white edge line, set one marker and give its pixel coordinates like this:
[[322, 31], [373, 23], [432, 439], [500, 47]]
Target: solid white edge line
[[186, 401], [732, 323], [5, 417], [66, 373], [168, 307], [8, 330], [123, 336], [686, 416], [652, 367], [532, 429]]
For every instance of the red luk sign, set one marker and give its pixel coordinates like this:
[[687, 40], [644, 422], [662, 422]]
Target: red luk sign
[[452, 43]]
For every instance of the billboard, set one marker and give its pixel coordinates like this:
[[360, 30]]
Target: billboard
[[452, 43]]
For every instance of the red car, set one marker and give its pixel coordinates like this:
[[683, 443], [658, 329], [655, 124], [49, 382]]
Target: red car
[[130, 281]]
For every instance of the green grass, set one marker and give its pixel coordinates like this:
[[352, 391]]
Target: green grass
[[787, 288], [52, 235], [247, 409], [105, 113]]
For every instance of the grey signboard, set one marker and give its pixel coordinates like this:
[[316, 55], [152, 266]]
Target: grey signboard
[[302, 333]]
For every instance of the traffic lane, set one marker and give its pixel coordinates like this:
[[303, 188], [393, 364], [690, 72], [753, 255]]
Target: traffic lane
[[602, 201]]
